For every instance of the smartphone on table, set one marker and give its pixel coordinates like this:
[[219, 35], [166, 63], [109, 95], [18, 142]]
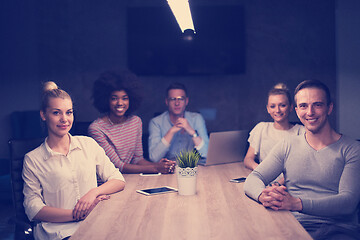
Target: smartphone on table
[[238, 180], [157, 190], [149, 174]]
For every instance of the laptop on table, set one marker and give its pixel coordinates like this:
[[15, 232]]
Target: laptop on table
[[227, 147]]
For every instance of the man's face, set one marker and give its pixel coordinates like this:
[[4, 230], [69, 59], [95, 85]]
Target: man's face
[[176, 102], [312, 108]]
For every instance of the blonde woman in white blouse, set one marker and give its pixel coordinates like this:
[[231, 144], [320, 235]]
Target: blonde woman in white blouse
[[60, 184]]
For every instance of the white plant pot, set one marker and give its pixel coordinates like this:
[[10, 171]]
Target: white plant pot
[[186, 178]]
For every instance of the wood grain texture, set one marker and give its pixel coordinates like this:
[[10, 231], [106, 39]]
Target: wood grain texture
[[219, 210]]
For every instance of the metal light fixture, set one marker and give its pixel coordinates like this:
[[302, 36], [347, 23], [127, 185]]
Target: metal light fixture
[[181, 11]]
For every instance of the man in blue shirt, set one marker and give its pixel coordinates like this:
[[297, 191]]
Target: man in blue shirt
[[176, 129]]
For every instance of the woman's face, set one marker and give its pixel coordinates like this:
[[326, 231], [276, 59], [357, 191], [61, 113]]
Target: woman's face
[[278, 107], [59, 116], [119, 103]]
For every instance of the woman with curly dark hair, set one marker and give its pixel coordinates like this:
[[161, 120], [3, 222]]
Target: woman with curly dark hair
[[119, 131]]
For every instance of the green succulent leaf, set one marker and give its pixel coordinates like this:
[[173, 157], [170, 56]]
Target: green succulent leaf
[[188, 158]]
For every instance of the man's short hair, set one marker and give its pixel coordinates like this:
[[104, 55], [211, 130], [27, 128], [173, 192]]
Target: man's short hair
[[176, 85], [314, 84]]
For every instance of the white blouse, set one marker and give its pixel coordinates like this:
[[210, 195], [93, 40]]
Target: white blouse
[[57, 180]]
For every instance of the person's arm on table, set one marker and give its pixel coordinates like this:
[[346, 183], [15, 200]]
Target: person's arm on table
[[200, 126], [348, 196], [82, 209], [277, 198], [158, 146], [265, 172], [249, 160], [255, 137], [35, 207], [201, 141], [182, 123], [143, 166], [113, 182], [281, 181], [170, 134], [87, 202], [254, 185], [124, 167], [84, 206], [274, 197], [51, 214]]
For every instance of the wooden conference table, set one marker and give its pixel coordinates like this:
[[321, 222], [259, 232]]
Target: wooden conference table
[[219, 210]]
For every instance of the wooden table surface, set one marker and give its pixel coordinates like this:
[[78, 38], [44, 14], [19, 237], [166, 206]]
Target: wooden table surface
[[219, 210]]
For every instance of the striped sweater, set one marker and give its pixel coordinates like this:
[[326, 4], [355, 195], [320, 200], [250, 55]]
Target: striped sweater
[[121, 142]]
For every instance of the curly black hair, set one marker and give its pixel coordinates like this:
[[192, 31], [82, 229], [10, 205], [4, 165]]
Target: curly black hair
[[109, 82]]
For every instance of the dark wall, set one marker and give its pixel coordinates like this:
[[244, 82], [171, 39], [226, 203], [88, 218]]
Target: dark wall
[[72, 42]]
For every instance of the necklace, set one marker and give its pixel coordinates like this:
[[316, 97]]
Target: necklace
[[110, 121]]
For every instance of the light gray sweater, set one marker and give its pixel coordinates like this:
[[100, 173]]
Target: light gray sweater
[[327, 181]]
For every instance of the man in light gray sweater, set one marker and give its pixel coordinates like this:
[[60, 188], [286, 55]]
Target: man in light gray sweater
[[321, 171]]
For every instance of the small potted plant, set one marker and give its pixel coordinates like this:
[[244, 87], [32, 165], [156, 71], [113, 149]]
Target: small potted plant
[[186, 171]]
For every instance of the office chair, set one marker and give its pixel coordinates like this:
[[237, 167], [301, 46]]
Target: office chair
[[18, 149], [27, 124]]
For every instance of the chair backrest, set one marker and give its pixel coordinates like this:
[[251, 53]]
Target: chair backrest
[[80, 128], [18, 149], [27, 125]]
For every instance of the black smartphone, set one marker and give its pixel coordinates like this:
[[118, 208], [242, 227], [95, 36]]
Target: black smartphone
[[238, 180], [150, 174]]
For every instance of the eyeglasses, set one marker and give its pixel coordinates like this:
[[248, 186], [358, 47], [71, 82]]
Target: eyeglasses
[[179, 99]]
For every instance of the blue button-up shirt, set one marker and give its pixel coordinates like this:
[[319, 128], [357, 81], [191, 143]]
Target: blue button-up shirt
[[160, 125]]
